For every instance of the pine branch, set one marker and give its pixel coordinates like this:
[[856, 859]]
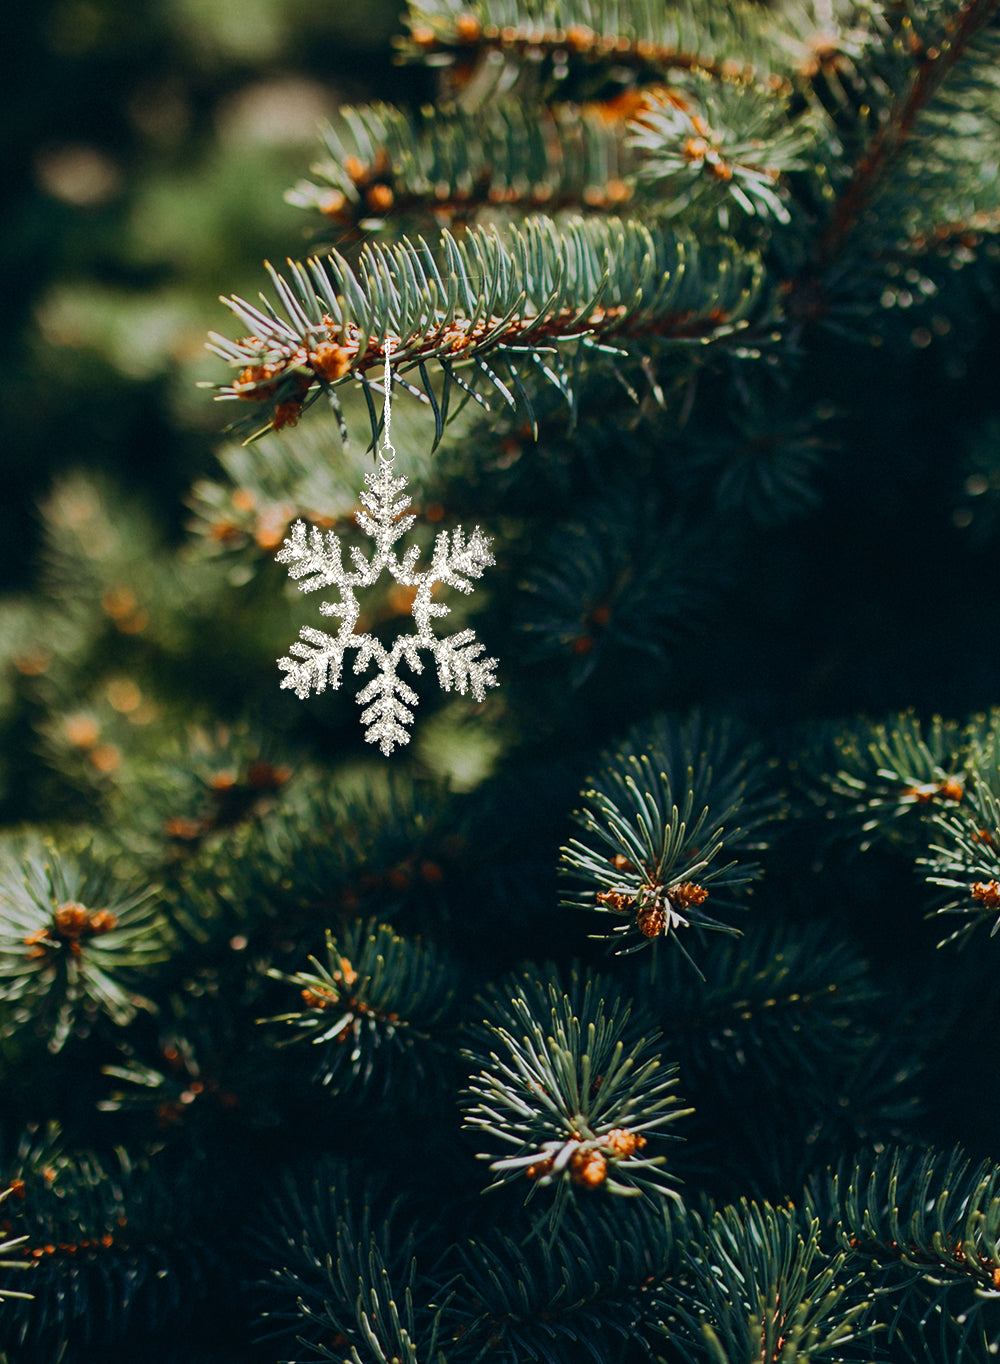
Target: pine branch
[[348, 1285], [561, 1086], [727, 766], [926, 1227], [622, 580], [939, 203], [197, 794], [935, 53], [9, 1244], [964, 856], [719, 150], [75, 941], [449, 168], [758, 1287], [792, 1018], [666, 150], [758, 463], [583, 38], [385, 1329], [203, 1079], [893, 776], [580, 1296], [654, 829], [775, 1007], [498, 304], [390, 999], [111, 1248], [395, 837], [269, 483]]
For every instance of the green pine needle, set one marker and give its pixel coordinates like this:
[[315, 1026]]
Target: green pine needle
[[567, 1102]]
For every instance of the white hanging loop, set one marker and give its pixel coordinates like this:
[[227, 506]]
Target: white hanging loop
[[387, 454]]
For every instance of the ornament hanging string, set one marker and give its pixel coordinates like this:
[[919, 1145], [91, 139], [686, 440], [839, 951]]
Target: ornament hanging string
[[387, 454]]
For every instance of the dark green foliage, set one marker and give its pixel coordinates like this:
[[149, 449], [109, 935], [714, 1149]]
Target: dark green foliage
[[963, 854], [342, 1271], [787, 1007], [764, 468], [563, 1100], [112, 1248], [196, 1077], [894, 774], [544, 298], [756, 1285], [774, 1003], [377, 1011], [925, 1226], [454, 164], [578, 1296], [732, 44], [721, 175], [8, 1246], [74, 941], [656, 825], [596, 591], [691, 309]]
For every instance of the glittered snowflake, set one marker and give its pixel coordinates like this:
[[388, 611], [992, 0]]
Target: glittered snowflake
[[315, 560]]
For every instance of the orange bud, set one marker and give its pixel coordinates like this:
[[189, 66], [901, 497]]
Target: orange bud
[[589, 1168]]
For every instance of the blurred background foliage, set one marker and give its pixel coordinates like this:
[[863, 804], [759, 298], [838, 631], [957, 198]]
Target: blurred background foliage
[[146, 151]]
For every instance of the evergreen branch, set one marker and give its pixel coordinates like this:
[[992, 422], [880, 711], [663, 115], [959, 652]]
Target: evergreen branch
[[923, 1209], [348, 1278], [513, 297], [585, 36], [727, 766], [938, 201], [270, 483], [781, 1011], [932, 59], [773, 1005], [652, 838], [758, 1287], [110, 1247], [728, 149], [926, 1226], [12, 1243], [382, 1328], [982, 742], [390, 999], [204, 1076], [874, 1095], [623, 580], [449, 168], [395, 838], [195, 787], [894, 775], [964, 856], [579, 1296], [75, 939], [952, 236], [561, 1087], [759, 464], [669, 148]]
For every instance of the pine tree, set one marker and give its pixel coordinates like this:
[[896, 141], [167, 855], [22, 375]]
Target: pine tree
[[604, 1019]]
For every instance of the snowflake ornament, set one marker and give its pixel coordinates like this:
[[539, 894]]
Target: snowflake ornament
[[314, 560]]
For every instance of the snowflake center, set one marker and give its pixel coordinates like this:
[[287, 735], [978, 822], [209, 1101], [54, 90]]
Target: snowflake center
[[315, 560]]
